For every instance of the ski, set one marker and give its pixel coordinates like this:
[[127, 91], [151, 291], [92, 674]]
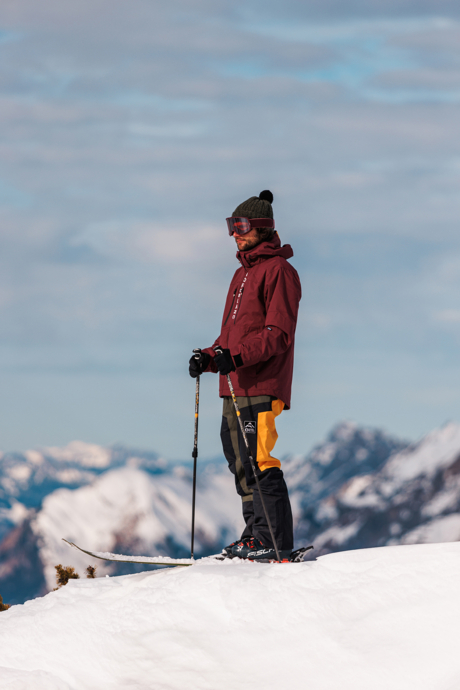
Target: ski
[[296, 556], [121, 558]]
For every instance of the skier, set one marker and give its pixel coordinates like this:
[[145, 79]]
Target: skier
[[257, 344]]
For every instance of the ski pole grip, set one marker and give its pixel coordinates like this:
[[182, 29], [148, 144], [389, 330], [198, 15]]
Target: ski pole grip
[[218, 350], [197, 352]]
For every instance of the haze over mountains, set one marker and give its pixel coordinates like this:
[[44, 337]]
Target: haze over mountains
[[360, 488]]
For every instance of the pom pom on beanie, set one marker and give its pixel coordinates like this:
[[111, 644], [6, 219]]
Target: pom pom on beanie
[[266, 195]]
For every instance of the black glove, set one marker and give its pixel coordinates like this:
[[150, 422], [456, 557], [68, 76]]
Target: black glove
[[224, 362], [198, 363]]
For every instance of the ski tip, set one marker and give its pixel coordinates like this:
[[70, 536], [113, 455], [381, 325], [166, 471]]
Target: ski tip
[[70, 543]]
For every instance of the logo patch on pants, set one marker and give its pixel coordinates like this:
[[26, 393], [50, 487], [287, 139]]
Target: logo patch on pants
[[250, 427]]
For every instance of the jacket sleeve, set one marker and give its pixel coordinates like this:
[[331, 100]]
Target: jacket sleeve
[[282, 293]]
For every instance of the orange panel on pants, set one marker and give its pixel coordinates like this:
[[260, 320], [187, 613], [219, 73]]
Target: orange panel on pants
[[267, 436]]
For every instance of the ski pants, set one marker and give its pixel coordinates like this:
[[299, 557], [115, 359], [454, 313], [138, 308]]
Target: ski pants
[[258, 416]]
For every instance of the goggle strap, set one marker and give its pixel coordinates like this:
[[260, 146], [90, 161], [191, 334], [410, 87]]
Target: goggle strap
[[261, 222]]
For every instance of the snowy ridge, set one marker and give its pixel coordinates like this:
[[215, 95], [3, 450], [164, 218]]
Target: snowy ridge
[[80, 453], [349, 451], [436, 451], [360, 620], [413, 498]]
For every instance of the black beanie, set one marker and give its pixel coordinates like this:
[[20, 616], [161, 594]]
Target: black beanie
[[256, 206]]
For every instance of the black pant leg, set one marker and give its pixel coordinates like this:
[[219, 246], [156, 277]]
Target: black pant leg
[[229, 436]]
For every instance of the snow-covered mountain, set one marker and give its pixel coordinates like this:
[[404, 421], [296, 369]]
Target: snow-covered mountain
[[359, 488], [349, 451], [26, 478], [413, 498]]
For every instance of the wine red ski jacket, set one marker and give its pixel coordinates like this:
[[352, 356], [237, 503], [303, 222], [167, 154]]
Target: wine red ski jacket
[[259, 322]]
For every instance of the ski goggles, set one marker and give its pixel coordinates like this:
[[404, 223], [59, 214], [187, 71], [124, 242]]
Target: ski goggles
[[243, 225]]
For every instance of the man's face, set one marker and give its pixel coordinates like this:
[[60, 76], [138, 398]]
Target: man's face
[[248, 241]]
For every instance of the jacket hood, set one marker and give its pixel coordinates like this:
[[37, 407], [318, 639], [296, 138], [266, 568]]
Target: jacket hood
[[264, 250]]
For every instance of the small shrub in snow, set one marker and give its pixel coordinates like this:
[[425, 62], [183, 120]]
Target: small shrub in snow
[[64, 574], [3, 607], [91, 571]]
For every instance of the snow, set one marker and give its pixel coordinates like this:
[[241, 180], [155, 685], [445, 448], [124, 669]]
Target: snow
[[87, 454], [435, 451], [16, 514], [441, 529], [338, 534], [371, 619], [20, 472], [34, 457], [444, 501]]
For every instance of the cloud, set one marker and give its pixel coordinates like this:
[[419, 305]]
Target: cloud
[[130, 131], [448, 316], [148, 242], [338, 10]]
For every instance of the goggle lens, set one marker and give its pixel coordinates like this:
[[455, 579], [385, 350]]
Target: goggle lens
[[243, 225], [239, 225]]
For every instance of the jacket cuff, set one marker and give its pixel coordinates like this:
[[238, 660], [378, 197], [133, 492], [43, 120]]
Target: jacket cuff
[[238, 360]]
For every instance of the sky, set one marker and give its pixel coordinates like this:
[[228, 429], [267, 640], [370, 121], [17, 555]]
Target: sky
[[130, 131]]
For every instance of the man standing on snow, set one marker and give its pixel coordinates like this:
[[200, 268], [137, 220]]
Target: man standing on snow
[[257, 343]]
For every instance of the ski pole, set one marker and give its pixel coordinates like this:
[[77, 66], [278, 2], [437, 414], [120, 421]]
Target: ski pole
[[218, 351], [197, 352]]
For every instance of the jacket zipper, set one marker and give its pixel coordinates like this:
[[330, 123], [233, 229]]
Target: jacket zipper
[[231, 307]]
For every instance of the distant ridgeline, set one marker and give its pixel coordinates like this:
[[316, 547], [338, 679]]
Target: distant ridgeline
[[361, 488]]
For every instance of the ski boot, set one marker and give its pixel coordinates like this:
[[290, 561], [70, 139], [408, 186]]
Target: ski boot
[[254, 550], [241, 546], [227, 551]]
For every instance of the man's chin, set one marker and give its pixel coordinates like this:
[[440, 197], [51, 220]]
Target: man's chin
[[245, 246]]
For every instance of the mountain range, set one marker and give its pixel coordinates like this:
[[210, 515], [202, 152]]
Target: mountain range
[[361, 487]]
